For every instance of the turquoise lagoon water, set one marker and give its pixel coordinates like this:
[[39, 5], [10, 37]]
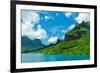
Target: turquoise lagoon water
[[31, 57]]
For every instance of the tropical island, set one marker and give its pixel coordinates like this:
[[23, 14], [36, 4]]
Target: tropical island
[[76, 42]]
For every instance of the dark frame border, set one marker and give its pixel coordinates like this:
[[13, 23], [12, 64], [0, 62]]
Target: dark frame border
[[13, 36]]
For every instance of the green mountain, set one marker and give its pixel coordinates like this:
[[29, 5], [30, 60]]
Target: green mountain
[[76, 42], [28, 45]]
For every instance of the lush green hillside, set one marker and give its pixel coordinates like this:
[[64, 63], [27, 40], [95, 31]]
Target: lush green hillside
[[78, 44]]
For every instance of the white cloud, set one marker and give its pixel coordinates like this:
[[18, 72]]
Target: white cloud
[[83, 17], [68, 14], [64, 31], [46, 17], [30, 16], [27, 28], [63, 37], [71, 27], [53, 40], [68, 29], [39, 27], [33, 34], [35, 17], [40, 33]]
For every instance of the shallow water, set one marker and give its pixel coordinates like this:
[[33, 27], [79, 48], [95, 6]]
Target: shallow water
[[31, 57]]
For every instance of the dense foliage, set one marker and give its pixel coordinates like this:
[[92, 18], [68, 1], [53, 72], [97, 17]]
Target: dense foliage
[[76, 46]]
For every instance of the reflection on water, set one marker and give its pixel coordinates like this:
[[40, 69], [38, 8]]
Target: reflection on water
[[31, 57]]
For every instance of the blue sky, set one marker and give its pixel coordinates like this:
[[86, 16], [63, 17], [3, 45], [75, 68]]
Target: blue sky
[[49, 26]]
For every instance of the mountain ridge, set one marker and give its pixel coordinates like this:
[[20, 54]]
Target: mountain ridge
[[30, 45], [78, 44]]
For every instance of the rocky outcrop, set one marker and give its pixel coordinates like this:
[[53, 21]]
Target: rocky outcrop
[[72, 37]]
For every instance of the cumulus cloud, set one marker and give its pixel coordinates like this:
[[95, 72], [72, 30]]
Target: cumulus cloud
[[68, 14], [30, 16], [28, 31], [28, 28], [71, 27], [46, 17], [35, 17], [68, 29], [53, 40], [40, 33], [83, 17]]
